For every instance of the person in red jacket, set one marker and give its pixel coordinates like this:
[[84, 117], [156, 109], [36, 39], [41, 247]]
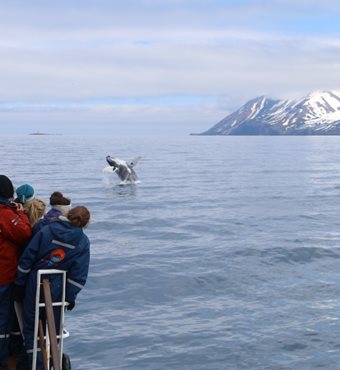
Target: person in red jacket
[[15, 231]]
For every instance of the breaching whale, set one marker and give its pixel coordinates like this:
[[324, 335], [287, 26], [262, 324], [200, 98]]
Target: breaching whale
[[123, 169]]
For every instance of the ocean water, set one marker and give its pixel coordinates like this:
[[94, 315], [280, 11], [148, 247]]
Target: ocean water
[[225, 256]]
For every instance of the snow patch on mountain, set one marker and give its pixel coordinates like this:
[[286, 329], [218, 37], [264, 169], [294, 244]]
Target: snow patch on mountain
[[317, 113]]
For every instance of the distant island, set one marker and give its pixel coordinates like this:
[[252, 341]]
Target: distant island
[[41, 133], [316, 114]]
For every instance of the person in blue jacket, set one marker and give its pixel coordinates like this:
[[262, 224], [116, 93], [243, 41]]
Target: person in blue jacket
[[62, 245]]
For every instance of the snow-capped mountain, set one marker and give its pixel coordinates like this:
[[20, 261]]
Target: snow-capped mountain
[[316, 114]]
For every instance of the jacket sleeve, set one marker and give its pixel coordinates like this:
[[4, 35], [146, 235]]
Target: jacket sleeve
[[77, 274], [15, 227], [27, 259]]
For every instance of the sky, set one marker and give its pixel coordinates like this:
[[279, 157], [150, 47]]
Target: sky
[[158, 66]]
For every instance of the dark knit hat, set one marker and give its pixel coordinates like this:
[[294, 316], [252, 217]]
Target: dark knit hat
[[57, 199], [6, 187]]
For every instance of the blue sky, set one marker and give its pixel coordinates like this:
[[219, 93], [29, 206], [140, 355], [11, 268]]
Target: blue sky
[[165, 66]]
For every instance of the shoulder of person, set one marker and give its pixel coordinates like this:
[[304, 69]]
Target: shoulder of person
[[8, 209]]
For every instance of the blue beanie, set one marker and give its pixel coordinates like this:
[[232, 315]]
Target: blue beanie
[[25, 193]]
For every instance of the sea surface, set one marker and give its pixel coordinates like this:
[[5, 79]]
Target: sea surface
[[225, 256]]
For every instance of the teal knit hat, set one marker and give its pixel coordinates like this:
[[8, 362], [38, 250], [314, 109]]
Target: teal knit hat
[[25, 193]]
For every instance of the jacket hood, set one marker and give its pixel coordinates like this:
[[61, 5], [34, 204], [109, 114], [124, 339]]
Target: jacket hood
[[63, 231], [52, 214]]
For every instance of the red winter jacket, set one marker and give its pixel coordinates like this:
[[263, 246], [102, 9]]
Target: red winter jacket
[[15, 231]]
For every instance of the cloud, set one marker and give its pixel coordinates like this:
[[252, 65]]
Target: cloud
[[71, 57], [224, 65]]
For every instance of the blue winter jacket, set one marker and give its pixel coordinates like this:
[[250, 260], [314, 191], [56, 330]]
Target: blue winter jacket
[[58, 245]]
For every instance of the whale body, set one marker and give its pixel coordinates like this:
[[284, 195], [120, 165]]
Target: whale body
[[123, 169]]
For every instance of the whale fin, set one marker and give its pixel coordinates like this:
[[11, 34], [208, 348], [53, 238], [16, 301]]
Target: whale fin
[[134, 162]]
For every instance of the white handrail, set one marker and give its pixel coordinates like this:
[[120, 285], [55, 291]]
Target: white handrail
[[38, 305]]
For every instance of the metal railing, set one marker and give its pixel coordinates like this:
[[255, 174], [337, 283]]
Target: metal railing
[[51, 344]]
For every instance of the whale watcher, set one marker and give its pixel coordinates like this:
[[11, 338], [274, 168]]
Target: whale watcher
[[60, 206], [15, 231], [62, 245], [33, 207]]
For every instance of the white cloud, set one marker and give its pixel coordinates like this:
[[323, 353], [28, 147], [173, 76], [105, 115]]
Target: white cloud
[[170, 69], [69, 51]]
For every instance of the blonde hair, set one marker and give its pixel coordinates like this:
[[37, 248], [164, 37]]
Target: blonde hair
[[35, 210]]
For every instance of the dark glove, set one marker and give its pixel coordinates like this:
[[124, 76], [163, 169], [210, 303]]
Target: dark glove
[[18, 292], [70, 306]]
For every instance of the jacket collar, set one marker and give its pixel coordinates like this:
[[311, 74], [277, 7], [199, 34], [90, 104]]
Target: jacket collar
[[4, 201]]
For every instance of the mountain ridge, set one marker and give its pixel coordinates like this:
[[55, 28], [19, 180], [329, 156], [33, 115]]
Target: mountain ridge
[[318, 113]]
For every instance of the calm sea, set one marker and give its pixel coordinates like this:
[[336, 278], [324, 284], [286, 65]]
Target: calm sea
[[226, 255]]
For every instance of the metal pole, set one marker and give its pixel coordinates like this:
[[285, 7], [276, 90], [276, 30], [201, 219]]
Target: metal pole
[[36, 323], [42, 345], [51, 325]]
